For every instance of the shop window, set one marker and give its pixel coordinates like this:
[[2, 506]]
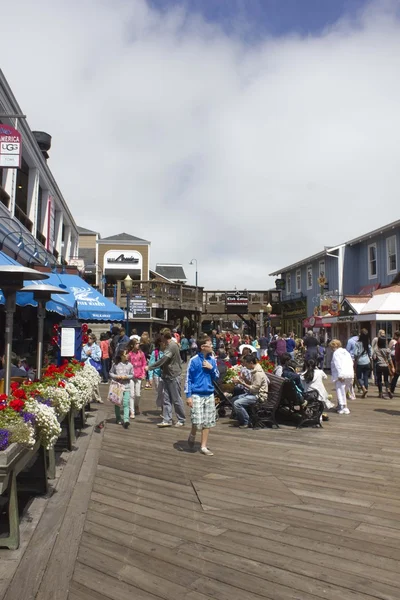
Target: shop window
[[298, 280], [288, 284], [309, 277], [372, 261], [391, 254]]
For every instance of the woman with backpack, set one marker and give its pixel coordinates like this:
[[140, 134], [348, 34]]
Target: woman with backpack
[[362, 360], [384, 365]]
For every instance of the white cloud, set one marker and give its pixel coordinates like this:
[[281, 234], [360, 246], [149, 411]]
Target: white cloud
[[244, 157]]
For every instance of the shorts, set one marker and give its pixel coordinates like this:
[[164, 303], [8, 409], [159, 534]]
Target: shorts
[[203, 414]]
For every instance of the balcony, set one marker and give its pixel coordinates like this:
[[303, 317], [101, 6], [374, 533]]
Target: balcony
[[22, 218], [163, 295], [41, 238]]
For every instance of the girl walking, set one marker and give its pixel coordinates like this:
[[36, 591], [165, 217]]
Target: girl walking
[[138, 361], [122, 372], [156, 374]]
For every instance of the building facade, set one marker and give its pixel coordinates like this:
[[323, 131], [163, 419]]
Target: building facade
[[36, 224], [323, 281]]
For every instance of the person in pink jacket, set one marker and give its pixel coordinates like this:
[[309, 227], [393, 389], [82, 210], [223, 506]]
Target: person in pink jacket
[[138, 361]]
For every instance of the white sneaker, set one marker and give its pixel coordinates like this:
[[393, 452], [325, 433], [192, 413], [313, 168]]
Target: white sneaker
[[179, 424], [343, 411], [207, 452]]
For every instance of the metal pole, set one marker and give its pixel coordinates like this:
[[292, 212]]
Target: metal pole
[[128, 297], [261, 323], [196, 276], [41, 318], [10, 310]]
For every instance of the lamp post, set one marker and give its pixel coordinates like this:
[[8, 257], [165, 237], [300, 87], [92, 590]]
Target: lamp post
[[11, 281], [268, 310], [194, 260], [42, 293], [128, 282]]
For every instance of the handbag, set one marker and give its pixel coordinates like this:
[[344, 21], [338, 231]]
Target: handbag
[[392, 370], [96, 364], [115, 393]]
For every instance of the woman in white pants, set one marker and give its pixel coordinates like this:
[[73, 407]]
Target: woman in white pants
[[342, 370]]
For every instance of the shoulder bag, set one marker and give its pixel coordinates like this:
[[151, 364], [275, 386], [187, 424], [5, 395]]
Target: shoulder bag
[[115, 393]]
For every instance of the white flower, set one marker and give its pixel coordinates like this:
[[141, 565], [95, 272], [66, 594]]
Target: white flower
[[47, 425], [60, 398]]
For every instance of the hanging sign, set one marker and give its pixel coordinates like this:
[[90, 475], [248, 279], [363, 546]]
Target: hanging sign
[[236, 302], [10, 147]]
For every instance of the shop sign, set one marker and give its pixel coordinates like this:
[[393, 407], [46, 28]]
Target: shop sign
[[330, 306], [123, 259], [116, 259], [345, 319], [138, 307], [294, 313], [236, 302], [10, 147]]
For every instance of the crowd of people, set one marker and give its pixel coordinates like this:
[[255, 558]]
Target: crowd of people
[[138, 362]]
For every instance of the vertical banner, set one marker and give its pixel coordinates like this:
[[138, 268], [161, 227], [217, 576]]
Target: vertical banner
[[10, 147]]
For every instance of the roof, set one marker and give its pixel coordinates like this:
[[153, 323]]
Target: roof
[[83, 231], [374, 233], [174, 272], [123, 237], [300, 263], [88, 255]]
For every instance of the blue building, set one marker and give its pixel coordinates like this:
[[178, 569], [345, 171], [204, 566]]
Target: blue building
[[333, 287]]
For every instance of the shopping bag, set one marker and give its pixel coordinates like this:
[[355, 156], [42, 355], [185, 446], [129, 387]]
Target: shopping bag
[[96, 364], [115, 393]]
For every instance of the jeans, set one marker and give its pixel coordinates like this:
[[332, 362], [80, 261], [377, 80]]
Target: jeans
[[135, 387], [363, 375], [393, 382], [382, 371], [125, 408], [159, 386], [105, 365], [240, 405], [184, 354], [172, 397], [342, 387]]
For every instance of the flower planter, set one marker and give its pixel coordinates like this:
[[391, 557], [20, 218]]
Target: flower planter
[[12, 461]]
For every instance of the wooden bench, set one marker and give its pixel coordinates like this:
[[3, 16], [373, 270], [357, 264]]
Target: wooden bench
[[284, 402]]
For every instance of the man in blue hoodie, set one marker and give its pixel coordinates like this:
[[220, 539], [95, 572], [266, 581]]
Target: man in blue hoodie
[[199, 390]]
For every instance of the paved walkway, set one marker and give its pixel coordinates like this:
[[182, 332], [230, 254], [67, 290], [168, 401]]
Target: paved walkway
[[280, 514]]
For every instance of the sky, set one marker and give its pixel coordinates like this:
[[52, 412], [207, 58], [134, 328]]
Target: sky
[[247, 134]]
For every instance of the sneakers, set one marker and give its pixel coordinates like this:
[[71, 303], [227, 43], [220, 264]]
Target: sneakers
[[206, 452], [126, 424], [343, 411], [119, 422], [164, 424], [243, 426], [179, 424], [191, 441], [132, 416]]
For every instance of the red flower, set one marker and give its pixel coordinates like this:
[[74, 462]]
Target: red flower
[[68, 374], [85, 339], [84, 328], [17, 405], [14, 385], [3, 397], [19, 394], [61, 384], [82, 364], [3, 406]]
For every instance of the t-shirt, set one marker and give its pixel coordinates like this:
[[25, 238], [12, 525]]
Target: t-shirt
[[104, 345]]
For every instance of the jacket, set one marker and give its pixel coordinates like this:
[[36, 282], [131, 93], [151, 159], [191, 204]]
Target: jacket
[[280, 346], [138, 362], [199, 380], [122, 370], [170, 363], [259, 383], [95, 353], [359, 354], [155, 355], [342, 365]]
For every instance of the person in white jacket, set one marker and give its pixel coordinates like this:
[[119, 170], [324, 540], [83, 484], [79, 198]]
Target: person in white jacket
[[313, 379], [342, 370]]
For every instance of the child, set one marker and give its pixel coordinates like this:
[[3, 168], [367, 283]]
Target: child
[[199, 389], [156, 374], [122, 372], [138, 360]]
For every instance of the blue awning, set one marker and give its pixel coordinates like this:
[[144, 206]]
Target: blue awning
[[88, 304]]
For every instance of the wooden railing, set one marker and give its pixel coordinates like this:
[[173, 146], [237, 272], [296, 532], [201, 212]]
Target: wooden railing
[[163, 295]]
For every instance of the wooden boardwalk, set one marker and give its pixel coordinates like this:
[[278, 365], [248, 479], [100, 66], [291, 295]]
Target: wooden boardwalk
[[282, 514]]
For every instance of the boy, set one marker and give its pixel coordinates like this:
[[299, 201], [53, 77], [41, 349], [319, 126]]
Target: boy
[[199, 389]]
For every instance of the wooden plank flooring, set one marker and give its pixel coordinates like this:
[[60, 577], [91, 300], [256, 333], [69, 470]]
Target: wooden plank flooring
[[281, 514]]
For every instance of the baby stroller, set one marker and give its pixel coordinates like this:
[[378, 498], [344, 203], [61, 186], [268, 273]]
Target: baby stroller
[[222, 402], [304, 408]]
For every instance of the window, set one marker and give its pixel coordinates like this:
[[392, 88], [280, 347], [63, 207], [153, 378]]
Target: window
[[372, 261], [288, 284], [309, 277], [391, 253], [321, 268], [298, 280]]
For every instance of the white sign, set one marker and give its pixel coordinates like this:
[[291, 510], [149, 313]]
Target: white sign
[[67, 341], [123, 260], [10, 146]]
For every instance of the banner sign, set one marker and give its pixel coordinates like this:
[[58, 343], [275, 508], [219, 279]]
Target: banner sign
[[139, 307], [236, 302], [10, 147]]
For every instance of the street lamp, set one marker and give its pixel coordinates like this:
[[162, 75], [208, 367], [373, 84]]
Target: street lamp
[[11, 281], [128, 283], [194, 260], [268, 310], [42, 293]]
